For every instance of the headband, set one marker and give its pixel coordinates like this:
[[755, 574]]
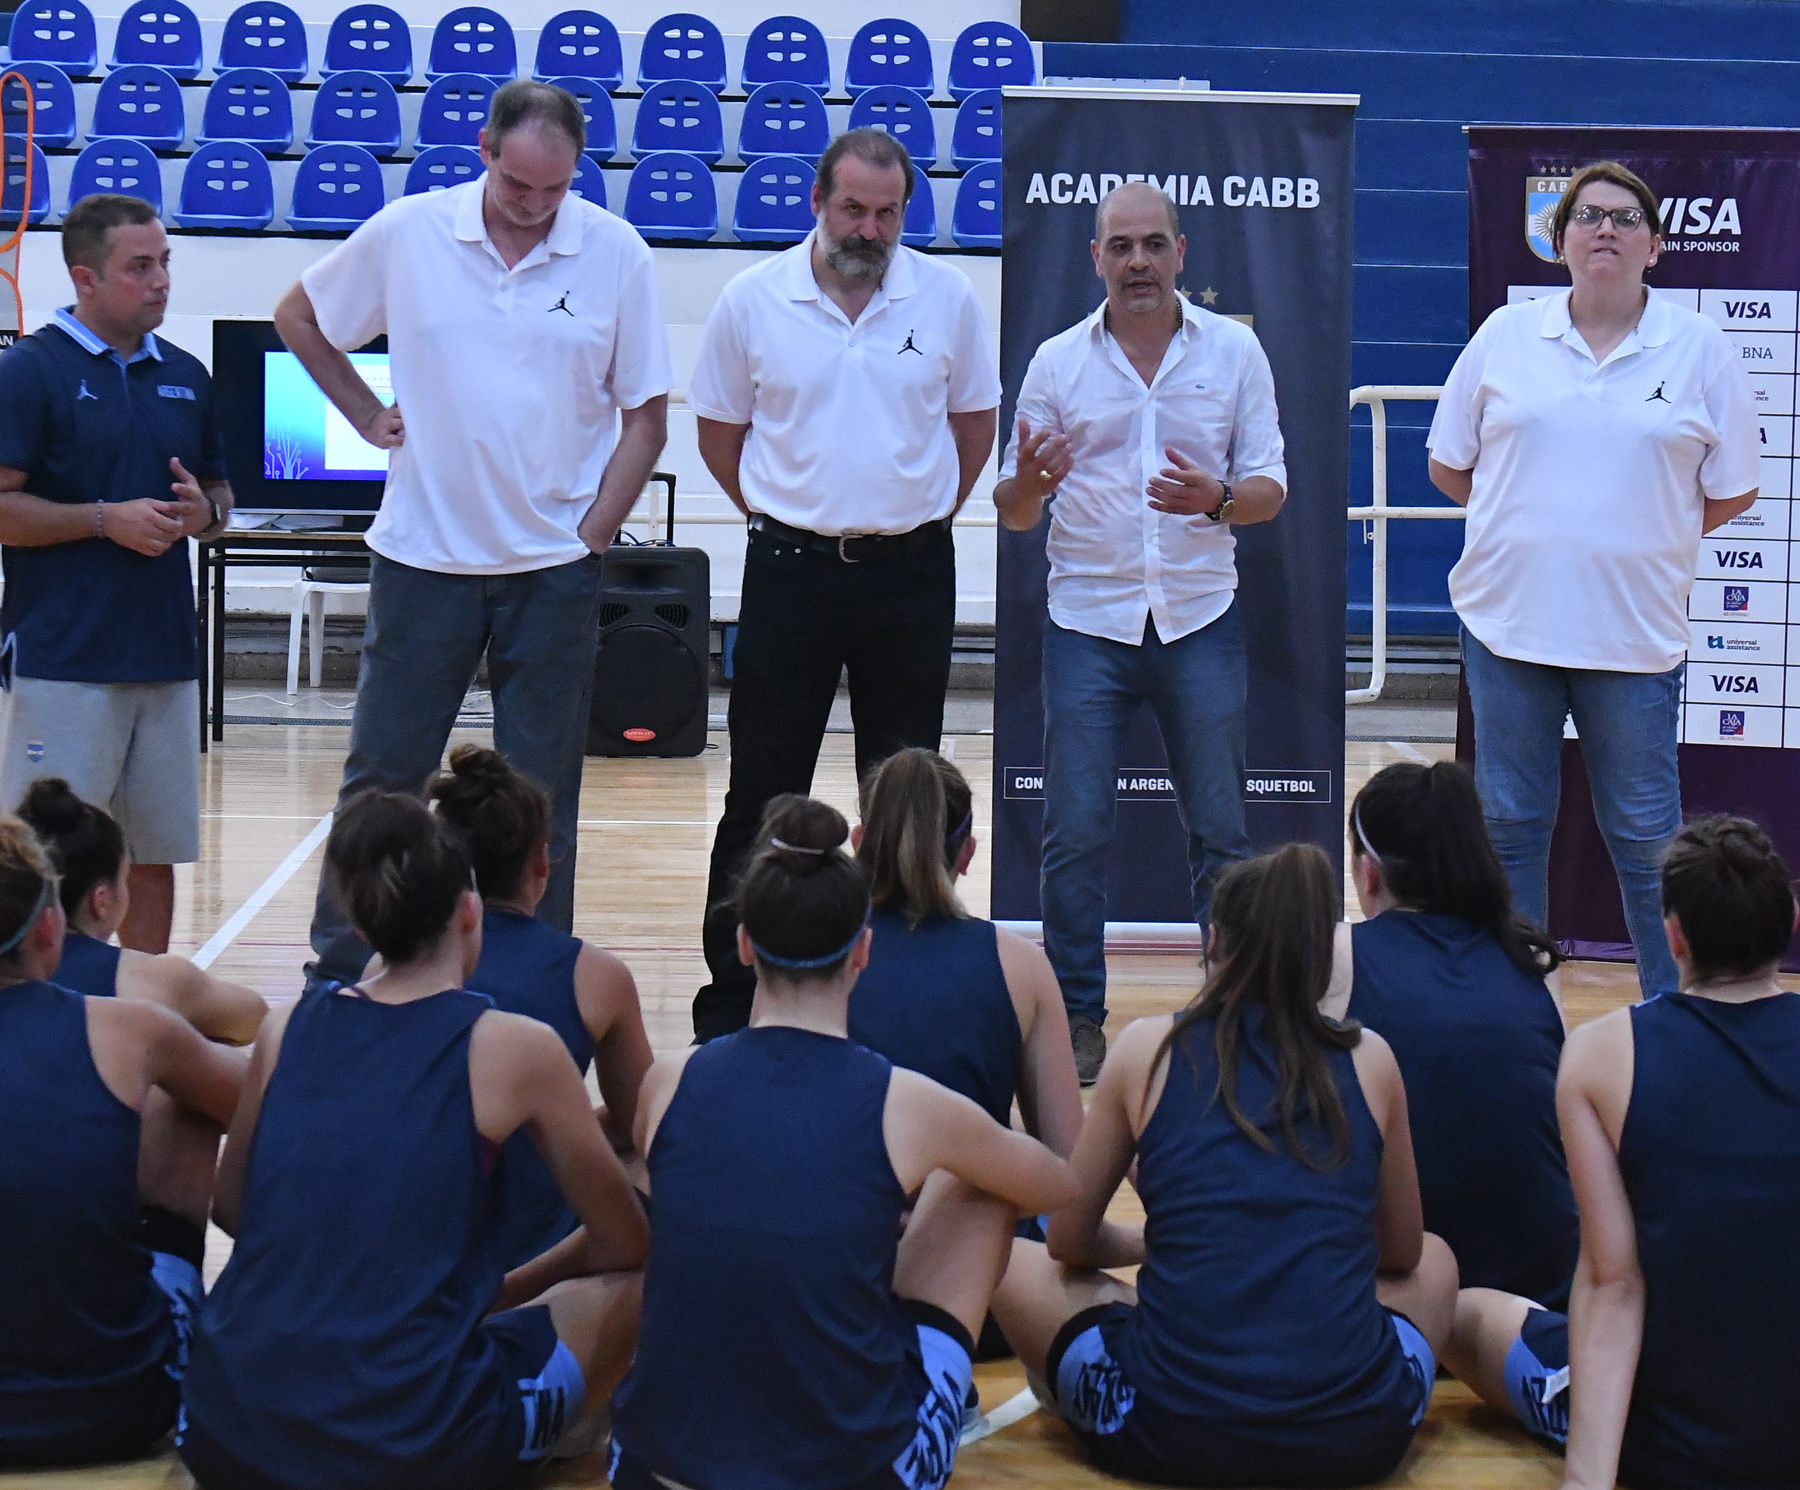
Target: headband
[[805, 964], [18, 936], [961, 828], [793, 848], [1363, 837]]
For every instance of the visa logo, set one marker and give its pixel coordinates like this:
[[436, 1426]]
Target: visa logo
[[1737, 597], [1748, 310], [1738, 558], [1731, 721], [1733, 683]]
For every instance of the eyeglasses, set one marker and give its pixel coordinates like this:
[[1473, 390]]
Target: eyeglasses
[[1624, 218]]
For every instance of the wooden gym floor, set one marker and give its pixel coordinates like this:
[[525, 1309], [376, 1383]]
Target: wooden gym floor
[[646, 829]]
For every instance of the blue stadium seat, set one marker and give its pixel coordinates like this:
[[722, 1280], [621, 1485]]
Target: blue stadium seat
[[786, 49], [122, 166], [249, 104], [920, 228], [52, 104], [679, 115], [370, 38], [590, 181], [441, 166], [977, 134], [356, 108], [265, 34], [226, 185], [683, 46], [60, 32], [454, 109], [774, 201], [139, 102], [336, 189], [889, 51], [784, 119], [990, 54], [580, 44], [976, 222], [12, 185], [901, 112], [160, 33], [671, 196], [597, 108], [473, 39]]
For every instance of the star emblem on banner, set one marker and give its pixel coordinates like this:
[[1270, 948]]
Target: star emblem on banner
[[1208, 295]]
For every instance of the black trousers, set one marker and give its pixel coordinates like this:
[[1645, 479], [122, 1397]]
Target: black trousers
[[804, 618]]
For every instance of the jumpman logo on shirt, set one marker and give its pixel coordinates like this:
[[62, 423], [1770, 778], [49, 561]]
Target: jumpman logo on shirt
[[1657, 397], [85, 394], [909, 347], [563, 306]]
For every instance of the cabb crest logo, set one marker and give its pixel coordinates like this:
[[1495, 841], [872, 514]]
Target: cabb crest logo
[[1542, 193]]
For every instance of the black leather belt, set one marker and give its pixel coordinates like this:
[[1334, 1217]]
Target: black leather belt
[[852, 548]]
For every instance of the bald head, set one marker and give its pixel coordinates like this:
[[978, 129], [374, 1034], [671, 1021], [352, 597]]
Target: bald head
[[1138, 197]]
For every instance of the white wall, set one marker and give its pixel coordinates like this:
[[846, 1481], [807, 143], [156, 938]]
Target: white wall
[[242, 278]]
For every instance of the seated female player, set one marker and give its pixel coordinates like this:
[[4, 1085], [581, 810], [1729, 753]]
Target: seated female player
[[112, 1112], [529, 967], [345, 1344], [955, 998], [1675, 1365], [792, 1336], [1445, 972], [89, 852], [1290, 1304]]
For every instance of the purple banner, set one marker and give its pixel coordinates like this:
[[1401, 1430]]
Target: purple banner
[[1731, 204]]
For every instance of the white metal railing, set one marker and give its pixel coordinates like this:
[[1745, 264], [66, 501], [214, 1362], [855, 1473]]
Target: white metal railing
[[651, 517], [1379, 514]]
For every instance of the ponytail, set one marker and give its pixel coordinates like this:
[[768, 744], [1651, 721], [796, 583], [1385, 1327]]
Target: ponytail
[[917, 813], [803, 900], [398, 871], [85, 844]]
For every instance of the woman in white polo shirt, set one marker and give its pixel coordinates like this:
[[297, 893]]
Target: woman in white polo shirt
[[1594, 436]]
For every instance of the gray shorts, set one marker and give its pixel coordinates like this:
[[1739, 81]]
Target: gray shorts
[[132, 748]]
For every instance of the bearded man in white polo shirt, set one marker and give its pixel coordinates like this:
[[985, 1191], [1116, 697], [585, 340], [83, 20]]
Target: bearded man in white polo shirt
[[846, 395], [1153, 424], [528, 353]]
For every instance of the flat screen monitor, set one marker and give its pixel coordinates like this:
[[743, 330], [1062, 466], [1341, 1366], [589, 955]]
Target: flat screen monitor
[[287, 448]]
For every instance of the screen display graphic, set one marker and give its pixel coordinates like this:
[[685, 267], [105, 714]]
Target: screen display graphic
[[304, 436]]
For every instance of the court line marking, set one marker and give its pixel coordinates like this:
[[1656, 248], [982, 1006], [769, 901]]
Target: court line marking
[[1417, 756], [262, 895], [1003, 1416]]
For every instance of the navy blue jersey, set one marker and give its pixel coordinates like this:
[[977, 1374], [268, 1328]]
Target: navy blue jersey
[[83, 1320], [1710, 1155], [342, 1346], [934, 1000], [528, 967], [86, 427], [772, 1354], [88, 965], [1478, 1042], [1256, 1300]]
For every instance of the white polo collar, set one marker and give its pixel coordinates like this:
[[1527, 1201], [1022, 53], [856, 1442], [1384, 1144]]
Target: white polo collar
[[802, 284], [471, 227], [1654, 327], [84, 338]]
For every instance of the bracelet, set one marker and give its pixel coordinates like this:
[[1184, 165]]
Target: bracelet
[[99, 519], [218, 517]]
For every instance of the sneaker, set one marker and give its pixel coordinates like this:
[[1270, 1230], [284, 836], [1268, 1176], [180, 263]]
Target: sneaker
[[1089, 1041]]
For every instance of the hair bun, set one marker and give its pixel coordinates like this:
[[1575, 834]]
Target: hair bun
[[51, 806], [801, 834]]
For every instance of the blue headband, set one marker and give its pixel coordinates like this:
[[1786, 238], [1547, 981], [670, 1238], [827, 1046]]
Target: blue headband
[[805, 964], [31, 920]]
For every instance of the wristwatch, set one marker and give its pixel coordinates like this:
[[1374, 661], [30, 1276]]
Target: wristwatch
[[1222, 513], [218, 516]]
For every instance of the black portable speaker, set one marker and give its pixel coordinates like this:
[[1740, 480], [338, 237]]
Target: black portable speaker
[[651, 668]]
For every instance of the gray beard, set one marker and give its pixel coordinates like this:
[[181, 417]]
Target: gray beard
[[859, 268]]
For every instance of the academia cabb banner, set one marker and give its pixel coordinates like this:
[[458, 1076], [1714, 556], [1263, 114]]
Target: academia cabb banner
[[1263, 184], [1730, 201]]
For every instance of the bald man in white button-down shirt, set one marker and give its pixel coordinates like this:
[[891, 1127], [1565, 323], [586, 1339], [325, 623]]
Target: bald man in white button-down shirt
[[1153, 424]]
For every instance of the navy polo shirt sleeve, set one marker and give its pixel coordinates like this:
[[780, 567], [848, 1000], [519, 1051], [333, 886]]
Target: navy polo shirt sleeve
[[23, 407]]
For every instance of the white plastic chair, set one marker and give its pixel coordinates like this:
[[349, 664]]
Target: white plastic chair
[[309, 602]]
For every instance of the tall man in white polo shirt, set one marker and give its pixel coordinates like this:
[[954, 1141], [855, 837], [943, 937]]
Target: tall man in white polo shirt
[[846, 395], [529, 356], [1153, 424]]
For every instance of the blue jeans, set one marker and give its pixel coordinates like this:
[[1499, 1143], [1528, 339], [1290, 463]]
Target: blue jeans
[[424, 639], [1627, 723], [1092, 689]]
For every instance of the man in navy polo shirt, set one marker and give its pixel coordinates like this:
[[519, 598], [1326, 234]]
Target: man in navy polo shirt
[[110, 461]]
